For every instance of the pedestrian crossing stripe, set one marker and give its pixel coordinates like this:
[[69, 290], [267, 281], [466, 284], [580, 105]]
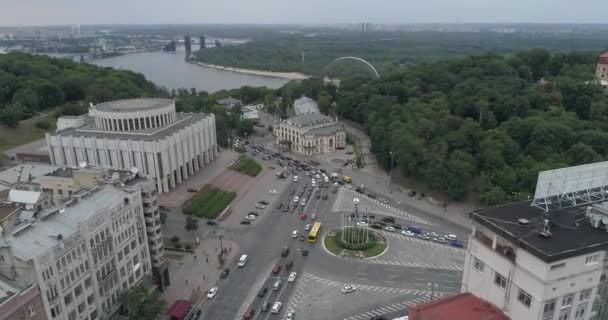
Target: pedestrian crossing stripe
[[402, 306], [425, 242], [254, 290], [415, 264]]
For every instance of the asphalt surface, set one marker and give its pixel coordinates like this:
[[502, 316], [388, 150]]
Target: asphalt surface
[[271, 232]]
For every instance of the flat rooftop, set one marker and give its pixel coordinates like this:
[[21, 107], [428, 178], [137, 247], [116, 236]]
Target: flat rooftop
[[90, 130], [30, 242], [129, 105], [464, 306], [571, 233], [23, 172]]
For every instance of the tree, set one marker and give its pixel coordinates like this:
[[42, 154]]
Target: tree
[[324, 103], [11, 115], [26, 97], [245, 127], [143, 304], [191, 224]]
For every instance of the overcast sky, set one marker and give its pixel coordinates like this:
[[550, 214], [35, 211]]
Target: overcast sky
[[47, 12]]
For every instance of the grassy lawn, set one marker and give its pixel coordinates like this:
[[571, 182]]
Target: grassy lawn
[[377, 249], [332, 245], [247, 166], [26, 132], [209, 202]]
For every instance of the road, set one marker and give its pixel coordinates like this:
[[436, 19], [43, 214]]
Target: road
[[383, 283]]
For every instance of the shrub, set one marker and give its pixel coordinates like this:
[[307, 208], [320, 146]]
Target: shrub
[[178, 245], [371, 241], [45, 125], [188, 246], [175, 239]]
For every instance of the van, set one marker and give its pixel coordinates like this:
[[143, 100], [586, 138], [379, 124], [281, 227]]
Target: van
[[347, 179], [243, 260]]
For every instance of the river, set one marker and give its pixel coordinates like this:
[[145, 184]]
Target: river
[[171, 71]]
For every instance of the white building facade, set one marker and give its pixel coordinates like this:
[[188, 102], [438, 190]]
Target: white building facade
[[143, 133], [84, 256], [310, 134]]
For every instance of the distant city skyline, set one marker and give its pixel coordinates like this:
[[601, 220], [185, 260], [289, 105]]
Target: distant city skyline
[[65, 12]]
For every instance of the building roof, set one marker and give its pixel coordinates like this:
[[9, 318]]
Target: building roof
[[129, 105], [309, 119], [24, 196], [325, 131], [571, 234], [229, 101], [42, 235], [305, 105], [23, 173], [179, 309], [604, 55], [464, 306], [90, 130]]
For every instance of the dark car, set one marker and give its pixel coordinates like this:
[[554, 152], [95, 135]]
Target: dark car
[[376, 226], [396, 226], [420, 195], [224, 273], [280, 205], [266, 307], [276, 270], [247, 222], [304, 252], [253, 213], [457, 244], [286, 208], [378, 318], [289, 265], [318, 196], [388, 219], [262, 292], [371, 196], [411, 193], [211, 222], [197, 315], [325, 196], [264, 202], [249, 314], [285, 252]]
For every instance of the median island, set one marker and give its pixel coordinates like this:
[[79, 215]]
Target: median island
[[355, 242]]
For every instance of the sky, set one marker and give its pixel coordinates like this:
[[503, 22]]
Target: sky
[[61, 12]]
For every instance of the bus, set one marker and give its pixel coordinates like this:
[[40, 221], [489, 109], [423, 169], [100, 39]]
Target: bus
[[316, 228]]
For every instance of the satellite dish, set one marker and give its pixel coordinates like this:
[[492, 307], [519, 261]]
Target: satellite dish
[[115, 176], [82, 164], [134, 170]]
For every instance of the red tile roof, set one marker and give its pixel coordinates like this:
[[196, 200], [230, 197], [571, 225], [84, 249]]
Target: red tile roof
[[464, 306], [604, 55]]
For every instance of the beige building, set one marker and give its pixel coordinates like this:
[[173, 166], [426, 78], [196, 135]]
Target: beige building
[[601, 70], [310, 134]]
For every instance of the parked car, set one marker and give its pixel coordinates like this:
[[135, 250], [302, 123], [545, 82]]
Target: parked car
[[389, 229], [388, 219], [211, 222], [347, 289], [262, 292], [396, 226], [294, 234], [411, 193], [450, 236], [408, 233], [276, 270], [292, 277], [246, 222], [253, 213], [362, 224], [280, 205], [425, 236], [249, 314], [276, 307], [307, 227], [302, 238], [414, 229], [285, 252], [371, 195], [305, 252], [291, 315], [440, 240], [325, 196], [224, 273], [266, 307], [376, 226], [212, 292], [457, 244], [273, 191], [250, 217], [289, 265]]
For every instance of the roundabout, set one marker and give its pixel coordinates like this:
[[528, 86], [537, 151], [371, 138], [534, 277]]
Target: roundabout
[[355, 242]]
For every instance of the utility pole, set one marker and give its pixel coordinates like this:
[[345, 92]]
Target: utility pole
[[390, 173]]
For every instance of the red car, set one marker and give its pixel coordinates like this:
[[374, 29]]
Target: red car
[[249, 314], [276, 269], [303, 216]]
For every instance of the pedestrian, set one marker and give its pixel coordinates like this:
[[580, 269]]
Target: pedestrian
[[207, 259], [204, 277], [194, 257], [186, 281]]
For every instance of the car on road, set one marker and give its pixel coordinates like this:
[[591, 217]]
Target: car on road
[[389, 229], [260, 206], [425, 236], [307, 173], [396, 226], [262, 292], [302, 238], [303, 216], [303, 202], [411, 193], [450, 236], [266, 307], [362, 224], [211, 222], [277, 285], [376, 226], [273, 191], [347, 289], [313, 216], [388, 219], [212, 292], [246, 222], [457, 244], [291, 315], [434, 234], [276, 307], [253, 213], [307, 227], [197, 315], [295, 178], [250, 217], [289, 265], [294, 234], [296, 199], [318, 196], [276, 270], [285, 252], [292, 277], [249, 314], [408, 233], [440, 240], [305, 252], [325, 196], [415, 229], [225, 273], [264, 202]]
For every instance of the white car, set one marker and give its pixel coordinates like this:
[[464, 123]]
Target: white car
[[291, 315], [295, 178], [389, 229], [408, 233], [276, 307], [440, 240], [362, 224], [307, 173], [250, 217], [294, 234], [348, 289], [296, 199], [383, 200], [307, 227], [292, 277], [313, 216], [451, 237], [303, 202], [212, 292], [273, 191], [314, 184], [433, 234], [318, 176]]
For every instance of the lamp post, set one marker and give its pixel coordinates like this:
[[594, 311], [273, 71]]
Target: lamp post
[[390, 173], [432, 287]]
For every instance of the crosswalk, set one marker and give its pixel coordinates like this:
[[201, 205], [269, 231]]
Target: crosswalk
[[259, 282], [376, 289], [302, 284], [344, 203], [425, 242], [397, 307], [414, 264]]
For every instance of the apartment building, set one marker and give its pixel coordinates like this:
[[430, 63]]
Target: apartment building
[[84, 254], [19, 301]]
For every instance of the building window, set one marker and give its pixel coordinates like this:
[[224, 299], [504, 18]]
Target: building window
[[580, 311], [549, 308], [585, 295], [524, 298], [564, 315], [67, 299], [500, 281], [594, 259], [567, 300], [478, 265]]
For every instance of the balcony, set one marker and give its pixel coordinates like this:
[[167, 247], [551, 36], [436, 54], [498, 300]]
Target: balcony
[[506, 251]]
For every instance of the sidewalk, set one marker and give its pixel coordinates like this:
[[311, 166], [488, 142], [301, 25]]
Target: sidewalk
[[190, 277]]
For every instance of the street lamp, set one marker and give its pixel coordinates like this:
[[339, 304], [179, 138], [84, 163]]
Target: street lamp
[[432, 287], [390, 173]]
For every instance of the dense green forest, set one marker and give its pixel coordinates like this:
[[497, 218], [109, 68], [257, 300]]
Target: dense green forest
[[32, 83], [390, 52], [487, 123]]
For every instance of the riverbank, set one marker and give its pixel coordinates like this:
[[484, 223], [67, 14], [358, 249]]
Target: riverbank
[[272, 74]]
